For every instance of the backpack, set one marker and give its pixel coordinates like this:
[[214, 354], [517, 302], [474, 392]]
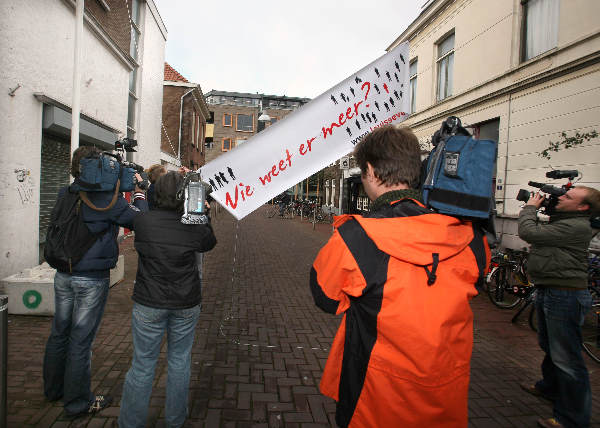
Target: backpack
[[68, 237], [458, 179]]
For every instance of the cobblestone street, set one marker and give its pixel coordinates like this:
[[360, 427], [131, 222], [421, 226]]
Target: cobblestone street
[[261, 344]]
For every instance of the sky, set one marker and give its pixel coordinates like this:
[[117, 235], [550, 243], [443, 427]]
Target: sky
[[293, 48]]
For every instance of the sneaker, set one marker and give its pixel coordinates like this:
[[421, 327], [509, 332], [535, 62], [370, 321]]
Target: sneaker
[[549, 423], [100, 402], [530, 388]]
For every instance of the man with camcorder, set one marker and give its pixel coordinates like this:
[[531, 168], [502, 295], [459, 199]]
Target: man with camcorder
[[402, 276], [558, 266], [81, 285]]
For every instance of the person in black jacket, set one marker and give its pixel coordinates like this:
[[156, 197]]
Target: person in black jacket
[[80, 297], [167, 296]]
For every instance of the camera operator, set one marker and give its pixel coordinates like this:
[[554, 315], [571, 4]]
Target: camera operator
[[167, 298], [558, 266], [80, 298], [402, 276]]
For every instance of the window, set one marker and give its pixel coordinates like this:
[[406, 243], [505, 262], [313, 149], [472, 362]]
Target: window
[[540, 27], [445, 63], [244, 123], [226, 146], [412, 73], [239, 142], [226, 119]]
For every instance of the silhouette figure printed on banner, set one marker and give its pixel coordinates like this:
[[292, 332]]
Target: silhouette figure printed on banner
[[357, 123], [377, 72], [397, 66], [396, 95], [223, 177], [352, 90], [387, 108], [363, 118], [376, 88], [212, 184], [369, 117], [402, 59], [396, 76], [392, 101], [357, 80], [343, 96], [386, 88], [374, 117], [218, 180], [230, 171], [377, 105], [348, 131], [333, 99], [387, 73]]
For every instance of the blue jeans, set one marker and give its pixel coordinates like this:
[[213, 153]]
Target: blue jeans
[[565, 376], [148, 326], [79, 304]]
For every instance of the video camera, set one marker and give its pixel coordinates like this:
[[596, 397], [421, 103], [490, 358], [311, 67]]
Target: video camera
[[101, 172], [549, 203]]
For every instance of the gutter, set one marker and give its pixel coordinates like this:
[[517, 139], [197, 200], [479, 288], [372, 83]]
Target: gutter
[[181, 123]]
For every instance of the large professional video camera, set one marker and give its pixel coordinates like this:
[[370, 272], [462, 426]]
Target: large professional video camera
[[549, 204], [103, 172]]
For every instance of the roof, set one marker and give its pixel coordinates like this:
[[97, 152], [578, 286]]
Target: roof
[[173, 75], [256, 96]]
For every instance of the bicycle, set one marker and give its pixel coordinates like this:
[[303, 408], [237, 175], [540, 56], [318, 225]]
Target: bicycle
[[507, 282]]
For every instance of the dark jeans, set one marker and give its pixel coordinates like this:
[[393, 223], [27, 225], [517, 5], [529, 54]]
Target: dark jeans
[[79, 305], [565, 376]]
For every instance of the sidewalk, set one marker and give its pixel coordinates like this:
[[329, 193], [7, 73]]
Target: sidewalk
[[261, 344]]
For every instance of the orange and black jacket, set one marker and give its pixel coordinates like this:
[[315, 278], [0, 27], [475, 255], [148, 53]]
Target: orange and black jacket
[[403, 277]]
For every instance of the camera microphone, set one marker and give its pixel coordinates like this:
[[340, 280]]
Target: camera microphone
[[562, 173]]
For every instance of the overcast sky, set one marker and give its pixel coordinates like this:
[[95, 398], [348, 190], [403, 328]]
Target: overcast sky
[[283, 47]]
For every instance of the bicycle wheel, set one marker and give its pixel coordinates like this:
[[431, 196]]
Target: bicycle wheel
[[533, 320], [272, 211], [500, 289], [590, 331]]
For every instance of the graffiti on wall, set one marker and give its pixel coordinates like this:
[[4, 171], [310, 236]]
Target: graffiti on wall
[[25, 185]]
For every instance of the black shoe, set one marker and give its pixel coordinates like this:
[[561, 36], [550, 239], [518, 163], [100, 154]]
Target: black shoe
[[100, 402], [530, 388]]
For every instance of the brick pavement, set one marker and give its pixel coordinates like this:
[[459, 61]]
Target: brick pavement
[[261, 344]]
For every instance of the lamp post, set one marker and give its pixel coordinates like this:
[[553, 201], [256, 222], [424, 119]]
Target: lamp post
[[263, 117]]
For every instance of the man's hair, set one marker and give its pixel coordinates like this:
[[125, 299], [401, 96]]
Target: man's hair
[[80, 153], [165, 189], [394, 154], [155, 171], [592, 198]]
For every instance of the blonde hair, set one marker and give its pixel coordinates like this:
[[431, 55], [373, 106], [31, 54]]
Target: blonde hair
[[155, 171]]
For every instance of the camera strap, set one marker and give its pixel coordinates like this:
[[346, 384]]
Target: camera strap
[[86, 200]]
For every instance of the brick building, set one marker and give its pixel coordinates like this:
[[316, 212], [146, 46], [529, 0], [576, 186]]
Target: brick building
[[235, 117], [185, 114]]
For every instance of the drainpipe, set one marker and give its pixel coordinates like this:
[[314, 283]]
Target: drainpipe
[[181, 123], [75, 107]]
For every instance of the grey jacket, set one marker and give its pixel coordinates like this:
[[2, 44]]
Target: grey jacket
[[558, 255]]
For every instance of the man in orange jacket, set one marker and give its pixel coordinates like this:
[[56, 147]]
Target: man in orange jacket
[[402, 276]]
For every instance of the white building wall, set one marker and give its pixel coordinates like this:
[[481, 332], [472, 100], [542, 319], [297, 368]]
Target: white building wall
[[486, 85], [151, 76], [36, 52]]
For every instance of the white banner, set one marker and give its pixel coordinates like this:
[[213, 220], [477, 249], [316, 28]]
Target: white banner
[[314, 136]]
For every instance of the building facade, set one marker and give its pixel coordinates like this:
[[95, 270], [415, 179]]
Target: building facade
[[119, 90], [234, 117], [184, 113], [520, 72]]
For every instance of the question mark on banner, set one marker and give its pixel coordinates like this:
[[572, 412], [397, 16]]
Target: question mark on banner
[[368, 85]]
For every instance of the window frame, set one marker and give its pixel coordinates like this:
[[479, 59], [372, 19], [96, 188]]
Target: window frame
[[524, 25], [439, 60], [230, 120], [413, 78], [223, 149], [236, 122]]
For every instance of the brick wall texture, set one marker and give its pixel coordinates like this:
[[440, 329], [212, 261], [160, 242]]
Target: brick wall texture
[[115, 21]]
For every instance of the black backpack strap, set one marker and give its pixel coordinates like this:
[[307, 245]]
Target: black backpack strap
[[361, 317], [477, 246]]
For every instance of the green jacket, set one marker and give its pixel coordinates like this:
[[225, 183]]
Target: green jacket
[[558, 254]]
